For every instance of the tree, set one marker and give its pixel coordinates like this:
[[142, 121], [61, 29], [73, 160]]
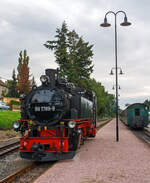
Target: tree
[[12, 86], [147, 102], [105, 101], [80, 59], [24, 84], [73, 55], [3, 93], [60, 47], [33, 83], [74, 58]]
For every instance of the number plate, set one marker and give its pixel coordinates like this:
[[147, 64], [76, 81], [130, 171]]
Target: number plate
[[44, 108]]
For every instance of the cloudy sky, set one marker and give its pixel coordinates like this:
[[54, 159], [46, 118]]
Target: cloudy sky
[[29, 24]]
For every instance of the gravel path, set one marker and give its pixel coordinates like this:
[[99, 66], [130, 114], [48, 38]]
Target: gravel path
[[103, 160]]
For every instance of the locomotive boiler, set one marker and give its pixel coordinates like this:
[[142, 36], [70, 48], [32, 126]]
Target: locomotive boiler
[[56, 118]]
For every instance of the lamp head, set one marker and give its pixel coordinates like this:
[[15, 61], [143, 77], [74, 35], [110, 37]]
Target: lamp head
[[105, 24], [125, 23], [111, 73], [121, 72]]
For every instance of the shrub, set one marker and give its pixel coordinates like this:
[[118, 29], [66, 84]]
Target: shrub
[[13, 102]]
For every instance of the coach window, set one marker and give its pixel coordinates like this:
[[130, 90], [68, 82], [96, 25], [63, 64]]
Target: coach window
[[137, 112]]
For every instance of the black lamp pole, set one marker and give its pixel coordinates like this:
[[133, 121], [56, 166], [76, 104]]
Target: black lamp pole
[[106, 24]]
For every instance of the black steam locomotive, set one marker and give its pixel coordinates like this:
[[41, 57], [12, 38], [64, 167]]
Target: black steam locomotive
[[56, 118]]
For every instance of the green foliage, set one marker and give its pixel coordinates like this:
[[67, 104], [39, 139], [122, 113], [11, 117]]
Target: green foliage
[[105, 101], [24, 83], [74, 58], [147, 102], [73, 55], [3, 93], [13, 102], [20, 60], [12, 86], [7, 118], [33, 83]]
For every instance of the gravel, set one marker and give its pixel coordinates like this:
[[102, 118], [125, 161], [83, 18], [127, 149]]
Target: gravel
[[11, 163], [8, 134], [103, 160], [31, 175]]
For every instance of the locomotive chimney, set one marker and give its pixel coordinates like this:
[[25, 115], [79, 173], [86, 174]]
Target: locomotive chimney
[[52, 74]]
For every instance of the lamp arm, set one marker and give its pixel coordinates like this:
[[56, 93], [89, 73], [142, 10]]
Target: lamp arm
[[121, 12], [110, 12]]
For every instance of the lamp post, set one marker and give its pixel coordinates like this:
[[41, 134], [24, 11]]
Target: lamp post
[[106, 24], [115, 87]]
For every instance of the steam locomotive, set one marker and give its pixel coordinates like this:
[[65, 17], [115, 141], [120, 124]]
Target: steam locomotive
[[56, 118]]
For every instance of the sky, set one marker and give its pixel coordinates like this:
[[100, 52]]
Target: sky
[[29, 24]]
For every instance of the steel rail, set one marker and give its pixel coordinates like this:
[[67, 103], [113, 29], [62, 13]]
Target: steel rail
[[9, 148], [16, 174], [147, 137], [142, 135]]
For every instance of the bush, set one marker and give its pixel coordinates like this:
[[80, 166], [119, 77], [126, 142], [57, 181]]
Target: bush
[[13, 102]]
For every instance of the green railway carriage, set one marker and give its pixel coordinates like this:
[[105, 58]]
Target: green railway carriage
[[135, 116]]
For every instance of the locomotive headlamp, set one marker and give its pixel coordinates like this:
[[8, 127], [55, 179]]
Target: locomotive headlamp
[[45, 127], [72, 124], [16, 125], [43, 78], [62, 123]]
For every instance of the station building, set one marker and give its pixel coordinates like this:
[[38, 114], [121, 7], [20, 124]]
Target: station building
[[3, 88]]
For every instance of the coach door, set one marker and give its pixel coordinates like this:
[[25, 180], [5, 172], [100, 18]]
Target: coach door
[[137, 112]]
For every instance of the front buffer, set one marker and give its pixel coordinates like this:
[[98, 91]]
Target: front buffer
[[45, 148], [39, 150]]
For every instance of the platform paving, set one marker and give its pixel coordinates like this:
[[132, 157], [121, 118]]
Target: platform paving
[[103, 160]]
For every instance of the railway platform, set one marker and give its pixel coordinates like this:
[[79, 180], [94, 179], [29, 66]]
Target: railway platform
[[103, 160]]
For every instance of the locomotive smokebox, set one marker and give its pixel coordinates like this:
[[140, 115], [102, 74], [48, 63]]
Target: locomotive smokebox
[[52, 74]]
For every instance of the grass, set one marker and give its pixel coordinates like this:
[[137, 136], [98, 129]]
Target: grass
[[7, 118]]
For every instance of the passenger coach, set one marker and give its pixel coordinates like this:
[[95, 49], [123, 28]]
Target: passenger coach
[[135, 116]]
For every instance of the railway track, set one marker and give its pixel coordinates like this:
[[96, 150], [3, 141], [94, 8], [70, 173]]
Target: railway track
[[26, 172], [9, 148], [17, 173], [146, 136], [143, 135]]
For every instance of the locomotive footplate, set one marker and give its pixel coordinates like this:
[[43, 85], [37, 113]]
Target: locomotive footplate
[[46, 156]]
